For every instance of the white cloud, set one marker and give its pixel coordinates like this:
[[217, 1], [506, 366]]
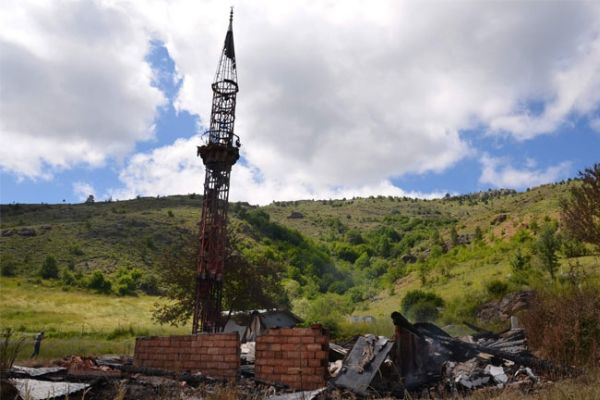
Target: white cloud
[[82, 190], [174, 169], [342, 93], [75, 85], [332, 94], [499, 173]]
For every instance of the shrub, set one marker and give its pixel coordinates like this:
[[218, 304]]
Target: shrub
[[68, 279], [149, 284], [8, 266], [519, 262], [565, 326], [478, 234], [421, 305], [573, 248], [424, 312], [150, 243], [496, 288], [127, 281], [49, 269], [377, 268], [125, 286], [9, 350], [76, 250], [98, 282]]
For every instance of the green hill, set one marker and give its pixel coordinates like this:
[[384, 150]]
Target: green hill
[[339, 257]]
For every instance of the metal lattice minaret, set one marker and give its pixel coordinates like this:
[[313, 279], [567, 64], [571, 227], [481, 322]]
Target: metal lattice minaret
[[219, 152]]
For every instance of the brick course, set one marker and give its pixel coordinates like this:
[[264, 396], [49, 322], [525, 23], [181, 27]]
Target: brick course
[[297, 357], [212, 354]]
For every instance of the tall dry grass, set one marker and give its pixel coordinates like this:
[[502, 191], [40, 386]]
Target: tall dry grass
[[564, 326]]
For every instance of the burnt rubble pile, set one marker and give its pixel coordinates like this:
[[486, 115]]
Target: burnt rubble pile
[[421, 359]]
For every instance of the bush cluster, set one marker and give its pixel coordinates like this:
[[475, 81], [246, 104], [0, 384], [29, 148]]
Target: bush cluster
[[564, 325], [421, 306]]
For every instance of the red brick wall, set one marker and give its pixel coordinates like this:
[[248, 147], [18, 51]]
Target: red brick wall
[[212, 354], [297, 357]]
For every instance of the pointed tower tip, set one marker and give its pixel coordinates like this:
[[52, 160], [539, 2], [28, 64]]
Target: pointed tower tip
[[231, 16]]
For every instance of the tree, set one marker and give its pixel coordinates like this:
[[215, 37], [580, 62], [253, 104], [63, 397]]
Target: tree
[[547, 246], [581, 212], [252, 280], [90, 199], [49, 269]]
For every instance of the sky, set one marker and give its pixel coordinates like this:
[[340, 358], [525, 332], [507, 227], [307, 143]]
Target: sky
[[337, 98]]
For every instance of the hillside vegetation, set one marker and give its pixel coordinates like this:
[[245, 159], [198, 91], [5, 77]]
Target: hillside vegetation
[[358, 256]]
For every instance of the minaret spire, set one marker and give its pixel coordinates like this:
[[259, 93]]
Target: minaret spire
[[219, 153]]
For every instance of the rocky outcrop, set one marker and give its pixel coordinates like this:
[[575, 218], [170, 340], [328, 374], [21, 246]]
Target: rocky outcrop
[[295, 215], [501, 310], [409, 259], [500, 218]]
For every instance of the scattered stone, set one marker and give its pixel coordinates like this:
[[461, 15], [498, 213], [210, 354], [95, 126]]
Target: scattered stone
[[27, 232], [503, 309], [409, 259], [295, 215], [500, 218], [497, 373]]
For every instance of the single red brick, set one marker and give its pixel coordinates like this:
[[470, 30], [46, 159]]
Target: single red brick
[[289, 347], [301, 362], [313, 362], [321, 339], [314, 347], [230, 358], [307, 339], [227, 350]]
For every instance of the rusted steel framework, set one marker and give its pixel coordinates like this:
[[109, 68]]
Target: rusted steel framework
[[220, 150]]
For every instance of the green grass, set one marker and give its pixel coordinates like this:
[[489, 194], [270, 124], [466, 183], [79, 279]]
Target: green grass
[[77, 322], [122, 235]]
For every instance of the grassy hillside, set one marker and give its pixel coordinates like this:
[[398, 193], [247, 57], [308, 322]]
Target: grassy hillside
[[354, 256]]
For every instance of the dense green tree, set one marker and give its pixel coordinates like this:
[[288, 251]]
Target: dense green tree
[[252, 280], [49, 269], [581, 212], [99, 282], [421, 306], [547, 245]]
